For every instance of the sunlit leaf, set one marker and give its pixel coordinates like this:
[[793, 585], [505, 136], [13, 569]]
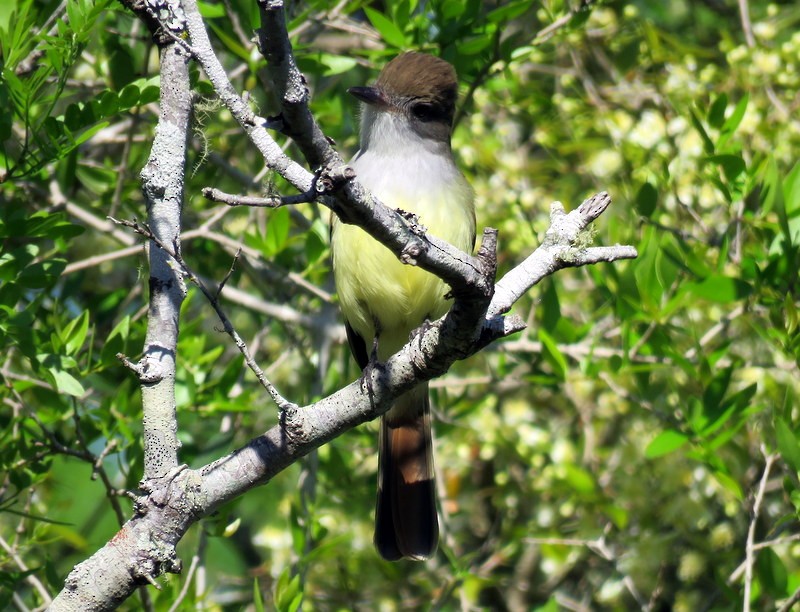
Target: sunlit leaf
[[719, 288], [787, 444], [386, 28], [665, 443]]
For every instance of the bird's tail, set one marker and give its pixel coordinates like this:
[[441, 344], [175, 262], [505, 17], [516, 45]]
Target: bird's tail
[[406, 524]]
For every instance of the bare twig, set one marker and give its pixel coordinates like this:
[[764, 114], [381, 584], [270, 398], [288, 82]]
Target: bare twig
[[558, 250], [97, 223], [750, 550], [228, 275], [600, 547], [274, 157], [715, 330], [173, 501], [97, 260], [790, 603], [213, 300], [546, 33], [216, 195], [747, 26], [750, 39], [777, 541], [31, 579], [187, 581]]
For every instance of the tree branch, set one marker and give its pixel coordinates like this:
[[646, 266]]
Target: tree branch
[[163, 186], [562, 248], [750, 550], [173, 499], [274, 157], [213, 300], [105, 579]]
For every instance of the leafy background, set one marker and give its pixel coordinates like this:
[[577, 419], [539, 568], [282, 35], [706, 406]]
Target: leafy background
[[611, 457]]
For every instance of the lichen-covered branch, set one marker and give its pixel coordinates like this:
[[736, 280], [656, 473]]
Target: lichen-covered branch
[[163, 187], [561, 248], [132, 558], [173, 496]]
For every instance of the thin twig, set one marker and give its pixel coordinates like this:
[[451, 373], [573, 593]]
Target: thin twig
[[789, 603], [750, 39], [97, 260], [713, 331], [751, 531], [190, 574], [217, 195], [747, 26], [31, 579], [142, 229], [227, 277], [546, 33], [777, 541], [97, 466], [737, 573]]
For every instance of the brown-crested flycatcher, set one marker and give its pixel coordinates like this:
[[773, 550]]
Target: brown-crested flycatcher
[[406, 161]]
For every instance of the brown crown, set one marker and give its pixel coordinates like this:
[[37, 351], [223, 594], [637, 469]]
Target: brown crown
[[419, 75]]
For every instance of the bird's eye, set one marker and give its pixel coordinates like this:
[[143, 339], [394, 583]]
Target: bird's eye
[[425, 111]]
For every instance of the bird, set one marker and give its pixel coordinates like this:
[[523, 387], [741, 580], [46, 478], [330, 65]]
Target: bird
[[405, 159]]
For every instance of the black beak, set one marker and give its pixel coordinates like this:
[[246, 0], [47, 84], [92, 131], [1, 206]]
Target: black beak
[[369, 95]]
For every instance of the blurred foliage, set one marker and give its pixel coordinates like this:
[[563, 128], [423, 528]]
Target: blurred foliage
[[608, 458]]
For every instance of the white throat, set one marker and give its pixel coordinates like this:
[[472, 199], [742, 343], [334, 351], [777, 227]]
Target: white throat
[[401, 167]]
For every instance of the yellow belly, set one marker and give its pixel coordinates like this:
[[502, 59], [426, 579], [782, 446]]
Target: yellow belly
[[376, 289]]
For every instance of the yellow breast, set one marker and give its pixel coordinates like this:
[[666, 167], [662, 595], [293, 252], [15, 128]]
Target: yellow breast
[[374, 287]]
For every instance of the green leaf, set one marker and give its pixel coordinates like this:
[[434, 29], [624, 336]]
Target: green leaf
[[129, 96], [508, 11], [117, 340], [230, 42], [716, 390], [66, 383], [150, 93], [550, 307], [386, 28], [716, 114], [211, 10], [474, 45], [287, 590], [74, 334], [732, 165], [685, 258], [315, 246], [708, 145], [108, 103], [791, 191], [296, 529], [772, 573], [72, 117], [665, 443], [277, 232], [646, 200], [42, 274], [87, 134], [732, 122], [336, 64], [647, 281], [121, 329], [121, 62], [787, 444], [579, 480], [553, 355], [729, 484], [258, 602], [719, 289]]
